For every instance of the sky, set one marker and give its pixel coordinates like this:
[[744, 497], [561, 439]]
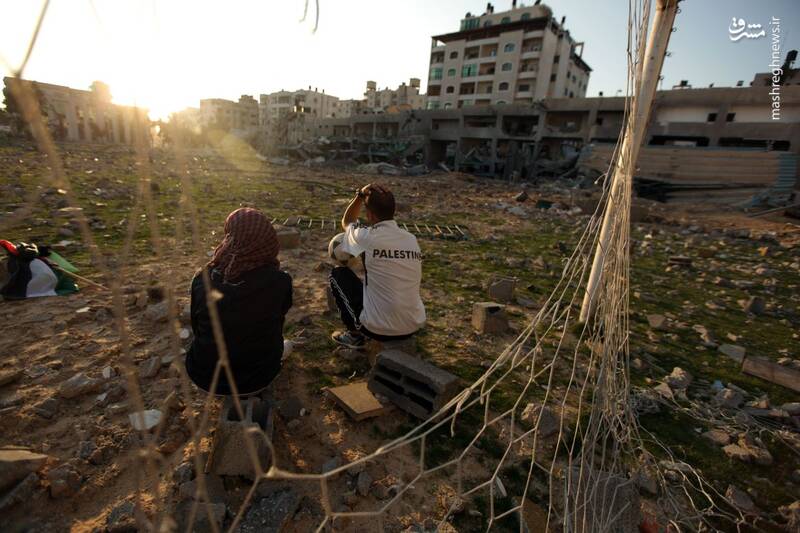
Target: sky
[[168, 54]]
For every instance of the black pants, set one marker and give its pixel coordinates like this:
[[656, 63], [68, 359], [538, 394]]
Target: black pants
[[348, 291]]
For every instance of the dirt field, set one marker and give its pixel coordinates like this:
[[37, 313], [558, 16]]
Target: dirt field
[[47, 341]]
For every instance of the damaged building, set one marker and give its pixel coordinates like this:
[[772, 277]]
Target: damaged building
[[75, 115]]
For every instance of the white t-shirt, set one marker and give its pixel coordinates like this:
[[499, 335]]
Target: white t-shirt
[[393, 264]]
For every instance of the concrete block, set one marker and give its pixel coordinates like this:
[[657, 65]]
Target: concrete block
[[288, 237], [357, 400], [414, 385], [489, 317], [501, 289], [772, 372], [229, 454]]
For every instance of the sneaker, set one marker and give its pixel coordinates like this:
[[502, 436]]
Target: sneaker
[[349, 339]]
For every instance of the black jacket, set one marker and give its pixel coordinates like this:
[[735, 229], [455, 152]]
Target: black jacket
[[252, 313]]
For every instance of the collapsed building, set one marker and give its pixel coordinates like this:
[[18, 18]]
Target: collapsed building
[[696, 140], [76, 115]]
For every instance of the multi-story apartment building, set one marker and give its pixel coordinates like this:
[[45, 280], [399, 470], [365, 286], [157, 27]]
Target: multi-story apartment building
[[86, 116], [237, 117], [313, 102], [518, 56], [402, 98]]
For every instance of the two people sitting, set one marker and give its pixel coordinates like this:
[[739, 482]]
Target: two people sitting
[[253, 295]]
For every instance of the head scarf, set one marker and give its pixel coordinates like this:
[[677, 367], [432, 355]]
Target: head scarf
[[250, 242]]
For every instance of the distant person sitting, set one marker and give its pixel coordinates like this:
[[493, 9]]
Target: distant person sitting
[[387, 305], [255, 297]]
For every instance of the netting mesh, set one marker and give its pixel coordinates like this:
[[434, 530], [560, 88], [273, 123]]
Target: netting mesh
[[569, 433]]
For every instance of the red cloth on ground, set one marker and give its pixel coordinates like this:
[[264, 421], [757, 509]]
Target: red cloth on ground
[[250, 242], [8, 246]]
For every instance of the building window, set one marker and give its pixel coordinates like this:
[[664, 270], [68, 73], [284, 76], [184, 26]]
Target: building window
[[469, 70], [598, 121], [501, 102], [712, 117], [451, 72], [552, 77], [453, 55], [450, 89], [448, 105], [506, 67], [555, 59], [525, 16], [503, 86], [571, 94], [505, 20], [487, 23], [565, 91], [524, 88], [729, 117], [508, 47], [436, 73]]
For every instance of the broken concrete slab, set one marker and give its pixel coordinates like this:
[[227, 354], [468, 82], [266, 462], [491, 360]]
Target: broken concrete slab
[[145, 420], [733, 351], [78, 385], [230, 453], [357, 401], [772, 372], [501, 289], [489, 318], [414, 385], [16, 464]]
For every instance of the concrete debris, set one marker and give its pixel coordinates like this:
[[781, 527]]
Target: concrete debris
[[78, 385], [272, 513], [678, 379], [739, 499], [501, 289], [489, 318], [16, 464], [230, 454], [755, 306], [733, 351], [728, 398], [412, 384], [64, 481], [717, 436], [145, 420], [657, 321], [150, 367], [772, 372], [157, 312], [357, 400]]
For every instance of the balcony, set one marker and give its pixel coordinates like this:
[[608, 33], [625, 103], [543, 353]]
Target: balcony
[[527, 74], [530, 54]]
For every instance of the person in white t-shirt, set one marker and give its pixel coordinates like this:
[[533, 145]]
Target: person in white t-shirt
[[386, 305]]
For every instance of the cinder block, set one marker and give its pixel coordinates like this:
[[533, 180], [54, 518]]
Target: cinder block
[[489, 317], [501, 289], [414, 385], [288, 237], [229, 455]]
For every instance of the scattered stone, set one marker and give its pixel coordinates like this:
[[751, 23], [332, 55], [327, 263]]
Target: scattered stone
[[755, 305], [10, 376], [145, 420], [678, 379], [85, 449], [184, 334], [215, 489], [16, 464], [748, 454], [656, 321], [64, 481], [363, 483], [646, 482], [331, 464], [729, 398], [549, 422], [121, 517], [22, 492], [739, 499], [718, 436], [272, 513], [150, 368], [183, 473], [78, 385], [47, 408], [792, 408], [290, 408], [157, 312], [664, 390], [733, 351], [521, 197], [202, 522], [108, 372], [155, 294], [229, 455]]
